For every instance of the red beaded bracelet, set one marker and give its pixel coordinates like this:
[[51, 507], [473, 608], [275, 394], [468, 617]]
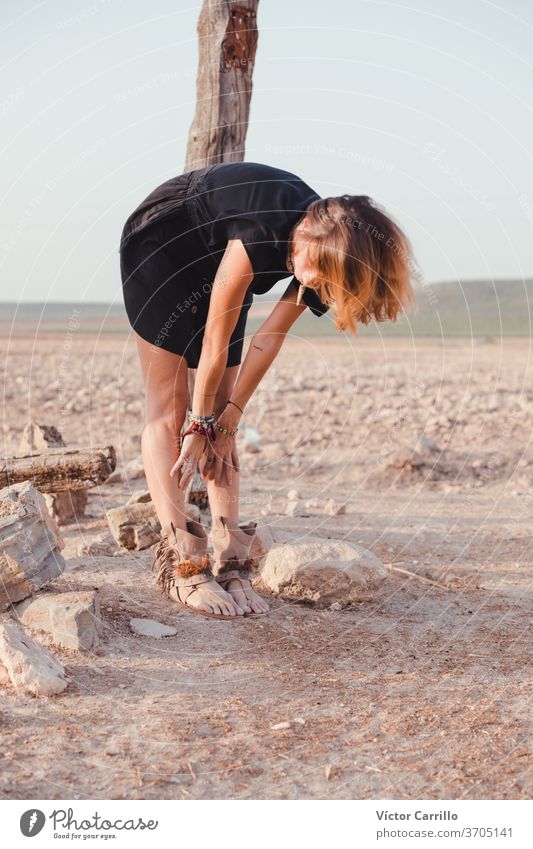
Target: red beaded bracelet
[[197, 427]]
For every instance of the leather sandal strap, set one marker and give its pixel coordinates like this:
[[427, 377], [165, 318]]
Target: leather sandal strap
[[228, 576], [193, 580], [236, 574]]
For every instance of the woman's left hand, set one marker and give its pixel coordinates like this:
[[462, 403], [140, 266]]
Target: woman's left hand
[[192, 448]]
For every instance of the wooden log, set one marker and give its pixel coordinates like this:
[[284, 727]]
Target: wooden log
[[59, 469]]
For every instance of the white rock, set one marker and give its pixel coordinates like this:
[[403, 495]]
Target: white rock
[[263, 540], [134, 470], [334, 508], [151, 628], [115, 477], [280, 726], [323, 571], [295, 508], [103, 544], [72, 619], [30, 543], [30, 667], [293, 495]]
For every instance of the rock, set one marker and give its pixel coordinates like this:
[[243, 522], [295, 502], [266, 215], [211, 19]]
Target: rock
[[405, 458], [66, 507], [263, 541], [140, 496], [280, 726], [37, 437], [426, 446], [296, 508], [251, 438], [293, 495], [30, 543], [192, 511], [101, 545], [71, 619], [273, 451], [30, 667], [134, 526], [134, 470], [151, 628], [334, 508], [115, 477], [323, 572]]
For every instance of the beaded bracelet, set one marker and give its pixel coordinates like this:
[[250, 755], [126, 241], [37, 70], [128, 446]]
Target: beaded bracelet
[[193, 417], [226, 431], [203, 429]]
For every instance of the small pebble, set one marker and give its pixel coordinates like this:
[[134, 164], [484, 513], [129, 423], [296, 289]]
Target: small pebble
[[280, 726]]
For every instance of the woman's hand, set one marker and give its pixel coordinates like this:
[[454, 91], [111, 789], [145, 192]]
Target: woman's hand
[[220, 459], [192, 449]]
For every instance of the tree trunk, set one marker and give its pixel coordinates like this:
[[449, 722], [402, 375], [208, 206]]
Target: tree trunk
[[227, 43], [227, 38]]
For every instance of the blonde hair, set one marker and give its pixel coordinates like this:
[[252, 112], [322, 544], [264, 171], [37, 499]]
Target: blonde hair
[[362, 259]]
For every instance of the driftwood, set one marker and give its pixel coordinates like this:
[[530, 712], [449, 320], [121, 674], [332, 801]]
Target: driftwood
[[59, 469]]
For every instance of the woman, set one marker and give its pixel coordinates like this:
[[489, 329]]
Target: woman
[[193, 254]]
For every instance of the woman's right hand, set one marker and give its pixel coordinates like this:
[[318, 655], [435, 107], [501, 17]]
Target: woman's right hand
[[220, 458]]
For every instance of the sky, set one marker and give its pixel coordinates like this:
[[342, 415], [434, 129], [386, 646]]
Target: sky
[[425, 106]]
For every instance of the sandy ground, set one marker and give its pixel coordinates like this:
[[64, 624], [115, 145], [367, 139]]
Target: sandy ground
[[420, 693]]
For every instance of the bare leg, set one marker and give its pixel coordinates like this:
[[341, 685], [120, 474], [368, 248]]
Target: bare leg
[[165, 379], [224, 501]]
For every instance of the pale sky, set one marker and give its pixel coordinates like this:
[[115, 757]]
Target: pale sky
[[427, 106]]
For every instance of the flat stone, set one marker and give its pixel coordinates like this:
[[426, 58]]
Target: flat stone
[[323, 571], [151, 628], [134, 526], [30, 543], [140, 496], [101, 545], [31, 668], [134, 470], [71, 619]]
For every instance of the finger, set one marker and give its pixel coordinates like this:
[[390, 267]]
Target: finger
[[228, 471], [218, 470], [235, 458]]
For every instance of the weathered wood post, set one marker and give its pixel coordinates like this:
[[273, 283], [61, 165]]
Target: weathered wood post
[[227, 44]]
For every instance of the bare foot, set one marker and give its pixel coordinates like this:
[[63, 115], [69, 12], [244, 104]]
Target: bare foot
[[245, 596], [209, 597]]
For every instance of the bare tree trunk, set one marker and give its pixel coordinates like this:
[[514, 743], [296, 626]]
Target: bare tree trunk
[[227, 38], [227, 43]]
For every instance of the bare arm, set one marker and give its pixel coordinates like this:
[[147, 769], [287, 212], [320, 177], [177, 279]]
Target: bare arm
[[264, 347], [234, 275]]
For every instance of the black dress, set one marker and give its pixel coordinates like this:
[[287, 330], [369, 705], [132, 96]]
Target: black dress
[[172, 244]]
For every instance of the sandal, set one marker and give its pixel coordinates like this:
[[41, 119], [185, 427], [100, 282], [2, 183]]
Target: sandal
[[181, 565], [231, 544]]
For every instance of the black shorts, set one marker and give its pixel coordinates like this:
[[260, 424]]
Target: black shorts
[[166, 284]]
